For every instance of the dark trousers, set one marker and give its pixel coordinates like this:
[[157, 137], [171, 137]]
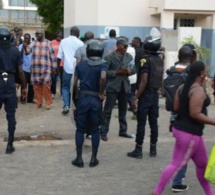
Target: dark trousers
[[54, 83], [147, 106], [122, 109], [30, 96], [131, 95], [10, 105], [89, 110]]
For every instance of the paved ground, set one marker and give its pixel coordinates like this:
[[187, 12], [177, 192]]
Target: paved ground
[[44, 167]]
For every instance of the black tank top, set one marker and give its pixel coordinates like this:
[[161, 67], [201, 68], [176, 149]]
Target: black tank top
[[187, 124]]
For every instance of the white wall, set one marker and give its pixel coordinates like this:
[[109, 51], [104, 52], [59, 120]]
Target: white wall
[[108, 13]]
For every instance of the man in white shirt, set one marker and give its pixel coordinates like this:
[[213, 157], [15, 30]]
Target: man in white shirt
[[68, 47]]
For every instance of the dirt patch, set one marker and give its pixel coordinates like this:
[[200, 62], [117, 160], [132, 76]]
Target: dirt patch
[[35, 138]]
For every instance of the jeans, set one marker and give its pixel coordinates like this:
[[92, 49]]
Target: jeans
[[180, 175], [66, 84], [147, 106]]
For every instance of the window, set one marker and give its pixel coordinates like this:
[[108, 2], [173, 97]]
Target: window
[[22, 3], [175, 24], [187, 22]]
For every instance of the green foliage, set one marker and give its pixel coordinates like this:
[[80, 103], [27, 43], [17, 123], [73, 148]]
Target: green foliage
[[203, 53], [52, 13]]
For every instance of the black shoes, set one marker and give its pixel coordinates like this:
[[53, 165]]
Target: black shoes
[[104, 137], [153, 150], [136, 153], [78, 162], [10, 149], [179, 188], [125, 135], [31, 102], [94, 161]]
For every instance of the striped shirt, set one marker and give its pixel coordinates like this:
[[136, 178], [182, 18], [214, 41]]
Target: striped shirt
[[43, 62]]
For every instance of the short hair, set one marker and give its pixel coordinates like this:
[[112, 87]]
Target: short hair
[[75, 31], [27, 35], [112, 33], [185, 54], [138, 39], [191, 46], [88, 35]]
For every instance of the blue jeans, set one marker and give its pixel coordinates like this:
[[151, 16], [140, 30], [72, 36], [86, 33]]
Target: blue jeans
[[66, 83], [180, 175]]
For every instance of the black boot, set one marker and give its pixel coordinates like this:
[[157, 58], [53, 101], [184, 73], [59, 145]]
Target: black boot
[[136, 153], [94, 161], [78, 162], [10, 149], [153, 150]]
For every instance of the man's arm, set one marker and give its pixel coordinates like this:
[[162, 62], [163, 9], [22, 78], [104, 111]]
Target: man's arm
[[111, 73], [52, 57], [23, 81], [75, 90], [103, 80], [27, 49], [142, 85]]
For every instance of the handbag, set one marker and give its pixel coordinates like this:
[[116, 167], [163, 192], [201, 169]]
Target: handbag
[[210, 169]]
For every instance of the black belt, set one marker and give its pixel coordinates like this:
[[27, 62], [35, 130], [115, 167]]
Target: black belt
[[151, 90], [88, 92], [8, 73]]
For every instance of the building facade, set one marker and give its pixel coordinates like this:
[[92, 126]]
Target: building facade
[[20, 13], [137, 17]]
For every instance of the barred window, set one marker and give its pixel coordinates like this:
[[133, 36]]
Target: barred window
[[187, 22]]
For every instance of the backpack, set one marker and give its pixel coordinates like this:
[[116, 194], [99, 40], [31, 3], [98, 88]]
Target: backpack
[[171, 84]]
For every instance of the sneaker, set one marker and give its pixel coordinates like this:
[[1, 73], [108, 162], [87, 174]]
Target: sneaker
[[179, 188], [65, 110]]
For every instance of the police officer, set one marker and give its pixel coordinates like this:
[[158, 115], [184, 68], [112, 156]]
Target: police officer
[[149, 81], [92, 76], [10, 62]]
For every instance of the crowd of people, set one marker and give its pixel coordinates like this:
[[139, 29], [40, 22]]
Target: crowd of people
[[95, 76]]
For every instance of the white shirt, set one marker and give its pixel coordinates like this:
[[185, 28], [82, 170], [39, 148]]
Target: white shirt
[[67, 49], [132, 78]]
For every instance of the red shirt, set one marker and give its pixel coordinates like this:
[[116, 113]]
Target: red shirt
[[56, 45]]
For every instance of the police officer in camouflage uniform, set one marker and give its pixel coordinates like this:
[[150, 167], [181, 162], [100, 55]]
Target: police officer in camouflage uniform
[[10, 62], [149, 81]]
